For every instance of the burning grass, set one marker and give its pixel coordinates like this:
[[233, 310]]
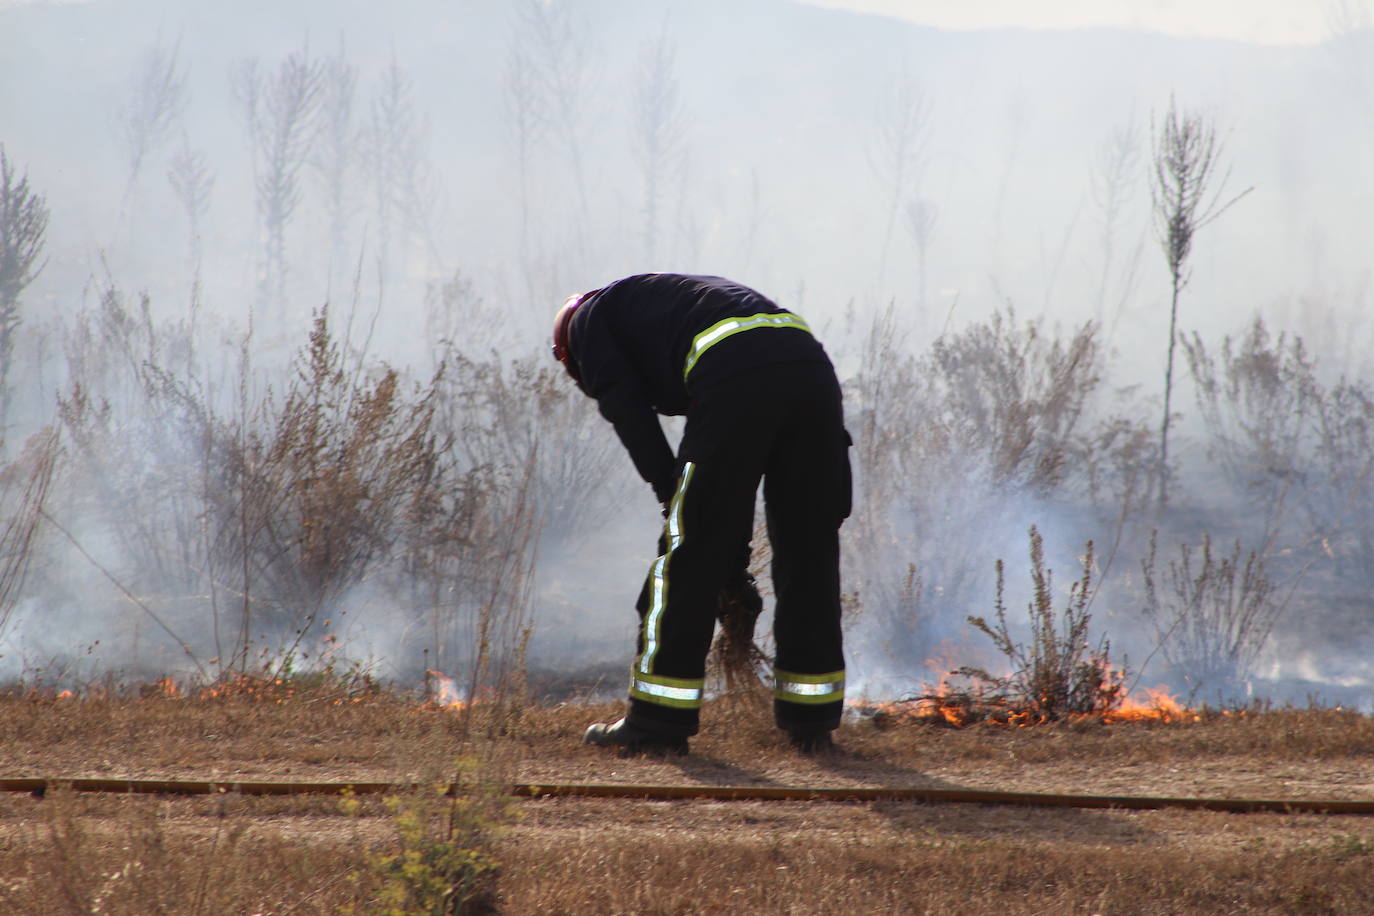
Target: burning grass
[[326, 855]]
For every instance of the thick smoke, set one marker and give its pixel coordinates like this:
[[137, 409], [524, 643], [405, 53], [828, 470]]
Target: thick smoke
[[300, 259]]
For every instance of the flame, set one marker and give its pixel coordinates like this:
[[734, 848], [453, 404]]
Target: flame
[[248, 686], [1152, 704], [959, 709], [945, 705], [443, 692], [162, 687], [245, 686]]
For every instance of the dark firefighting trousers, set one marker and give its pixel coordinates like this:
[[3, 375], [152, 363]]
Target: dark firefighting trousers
[[784, 424]]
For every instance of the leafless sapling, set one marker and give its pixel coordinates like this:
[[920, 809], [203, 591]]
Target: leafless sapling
[[192, 181], [335, 156], [561, 51], [1348, 24], [404, 190], [527, 122], [23, 229], [922, 217], [1186, 190], [657, 132], [155, 99], [898, 153], [1115, 171], [281, 112]]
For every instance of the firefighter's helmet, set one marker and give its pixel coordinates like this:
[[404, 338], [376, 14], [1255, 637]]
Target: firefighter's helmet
[[562, 324]]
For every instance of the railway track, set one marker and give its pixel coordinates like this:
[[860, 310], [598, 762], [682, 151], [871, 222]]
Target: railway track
[[39, 785]]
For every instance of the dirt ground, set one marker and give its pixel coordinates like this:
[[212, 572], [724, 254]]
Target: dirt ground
[[553, 841]]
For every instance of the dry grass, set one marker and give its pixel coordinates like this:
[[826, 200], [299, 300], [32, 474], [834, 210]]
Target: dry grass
[[324, 855], [918, 867]]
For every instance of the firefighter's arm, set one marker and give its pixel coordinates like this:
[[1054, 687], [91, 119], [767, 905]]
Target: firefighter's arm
[[642, 435], [608, 376]]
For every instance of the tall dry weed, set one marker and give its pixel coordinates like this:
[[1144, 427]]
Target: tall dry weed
[[1057, 672], [996, 414], [247, 516], [1297, 452], [24, 486], [1213, 616]]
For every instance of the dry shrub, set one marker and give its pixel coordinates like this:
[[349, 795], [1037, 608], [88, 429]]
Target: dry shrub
[[24, 485], [1214, 618], [248, 519], [1296, 454], [325, 489], [1058, 673], [504, 414], [944, 443]]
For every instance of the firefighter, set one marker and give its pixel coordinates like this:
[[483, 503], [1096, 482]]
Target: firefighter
[[761, 402]]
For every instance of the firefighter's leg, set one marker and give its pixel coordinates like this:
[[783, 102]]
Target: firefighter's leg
[[807, 495], [710, 515]]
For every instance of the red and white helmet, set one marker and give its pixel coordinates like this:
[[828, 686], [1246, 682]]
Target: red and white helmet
[[562, 324]]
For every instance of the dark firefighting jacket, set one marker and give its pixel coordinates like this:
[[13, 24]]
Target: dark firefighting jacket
[[644, 344]]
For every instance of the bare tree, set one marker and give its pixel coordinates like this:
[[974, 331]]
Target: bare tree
[[334, 158], [561, 51], [1350, 32], [1115, 171], [1186, 191], [657, 131], [527, 120], [156, 98], [23, 227], [922, 217], [1016, 119], [899, 151], [191, 182], [281, 111], [403, 187]]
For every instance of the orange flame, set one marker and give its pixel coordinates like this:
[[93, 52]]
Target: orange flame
[[444, 693], [1152, 704], [941, 703]]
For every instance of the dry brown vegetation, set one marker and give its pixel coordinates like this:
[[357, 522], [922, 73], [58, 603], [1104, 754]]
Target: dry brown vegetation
[[80, 853]]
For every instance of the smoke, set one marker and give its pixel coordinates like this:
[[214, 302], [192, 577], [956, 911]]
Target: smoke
[[438, 176]]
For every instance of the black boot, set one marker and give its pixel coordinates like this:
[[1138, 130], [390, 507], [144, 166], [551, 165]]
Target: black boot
[[634, 740], [811, 740]]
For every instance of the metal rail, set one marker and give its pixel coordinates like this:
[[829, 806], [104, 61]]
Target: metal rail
[[38, 786]]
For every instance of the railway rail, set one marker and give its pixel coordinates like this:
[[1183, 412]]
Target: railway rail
[[39, 785]]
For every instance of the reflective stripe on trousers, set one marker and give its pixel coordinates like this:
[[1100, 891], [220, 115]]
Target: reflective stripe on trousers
[[644, 684], [681, 693], [808, 689], [732, 326]]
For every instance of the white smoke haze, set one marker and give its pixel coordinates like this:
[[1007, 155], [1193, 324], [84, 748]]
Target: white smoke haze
[[435, 177]]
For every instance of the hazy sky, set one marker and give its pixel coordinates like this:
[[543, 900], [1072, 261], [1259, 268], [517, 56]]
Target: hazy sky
[[1275, 22], [1272, 22]]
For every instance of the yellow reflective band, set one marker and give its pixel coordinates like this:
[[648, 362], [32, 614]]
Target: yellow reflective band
[[679, 693], [658, 573], [808, 688], [731, 326]]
